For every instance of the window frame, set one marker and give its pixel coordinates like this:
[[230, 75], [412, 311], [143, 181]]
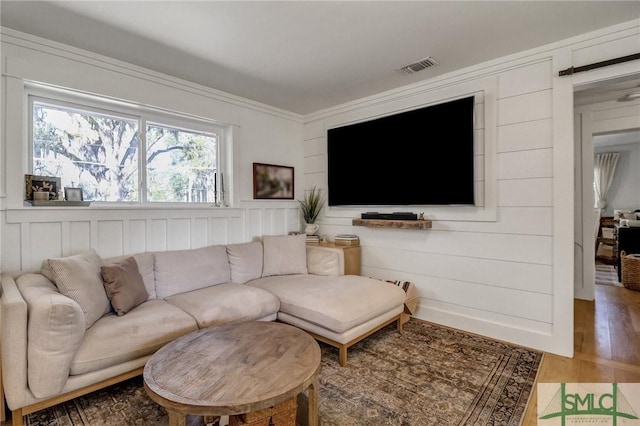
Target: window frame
[[177, 126], [144, 115]]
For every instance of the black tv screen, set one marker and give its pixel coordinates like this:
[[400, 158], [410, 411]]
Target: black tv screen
[[418, 157]]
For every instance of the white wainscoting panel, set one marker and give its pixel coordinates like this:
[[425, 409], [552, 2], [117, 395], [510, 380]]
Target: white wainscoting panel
[[254, 222], [199, 232], [31, 235], [110, 237], [157, 235], [80, 236], [137, 232], [179, 232], [277, 221], [43, 238], [224, 230]]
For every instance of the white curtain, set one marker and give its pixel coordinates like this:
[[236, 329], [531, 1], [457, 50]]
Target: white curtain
[[603, 171]]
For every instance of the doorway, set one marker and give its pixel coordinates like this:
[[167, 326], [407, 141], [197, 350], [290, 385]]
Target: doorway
[[607, 119]]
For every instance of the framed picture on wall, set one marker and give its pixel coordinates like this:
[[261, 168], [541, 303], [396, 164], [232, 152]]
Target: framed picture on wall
[[33, 183], [271, 182]]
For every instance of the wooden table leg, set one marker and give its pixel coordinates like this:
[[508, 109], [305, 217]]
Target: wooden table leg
[[176, 419], [313, 403]]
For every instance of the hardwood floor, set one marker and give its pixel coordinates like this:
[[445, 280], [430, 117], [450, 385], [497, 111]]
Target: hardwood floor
[[606, 344]]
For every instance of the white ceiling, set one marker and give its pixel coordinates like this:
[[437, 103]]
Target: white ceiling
[[304, 56]]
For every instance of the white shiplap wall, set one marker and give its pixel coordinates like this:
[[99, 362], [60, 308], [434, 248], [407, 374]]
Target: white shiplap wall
[[260, 133], [466, 268], [507, 273]]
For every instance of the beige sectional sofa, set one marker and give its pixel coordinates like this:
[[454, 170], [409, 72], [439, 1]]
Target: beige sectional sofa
[[80, 324]]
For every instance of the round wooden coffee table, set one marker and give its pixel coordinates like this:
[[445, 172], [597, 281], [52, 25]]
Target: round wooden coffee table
[[234, 369]]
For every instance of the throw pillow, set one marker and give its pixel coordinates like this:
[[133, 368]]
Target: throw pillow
[[245, 260], [179, 271], [78, 277], [124, 285], [284, 255], [321, 262], [145, 261]]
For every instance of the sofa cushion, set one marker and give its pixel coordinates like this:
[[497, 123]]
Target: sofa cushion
[[227, 303], [178, 271], [78, 277], [146, 328], [124, 285], [245, 261], [323, 262], [284, 254], [336, 303], [145, 267]]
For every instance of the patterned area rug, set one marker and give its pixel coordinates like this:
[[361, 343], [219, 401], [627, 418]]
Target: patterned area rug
[[427, 375], [607, 275]]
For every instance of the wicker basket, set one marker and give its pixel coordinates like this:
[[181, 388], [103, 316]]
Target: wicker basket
[[283, 414], [630, 264]]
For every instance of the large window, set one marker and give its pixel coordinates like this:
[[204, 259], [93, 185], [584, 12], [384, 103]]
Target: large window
[[101, 149], [180, 164]]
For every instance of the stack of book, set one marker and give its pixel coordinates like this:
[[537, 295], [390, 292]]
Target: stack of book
[[313, 239], [347, 240]]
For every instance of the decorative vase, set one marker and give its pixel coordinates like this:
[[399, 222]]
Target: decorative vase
[[311, 228], [41, 196]]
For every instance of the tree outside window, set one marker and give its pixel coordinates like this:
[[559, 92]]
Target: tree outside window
[[100, 153]]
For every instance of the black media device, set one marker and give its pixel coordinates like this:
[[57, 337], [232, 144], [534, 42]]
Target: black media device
[[390, 216], [419, 157]]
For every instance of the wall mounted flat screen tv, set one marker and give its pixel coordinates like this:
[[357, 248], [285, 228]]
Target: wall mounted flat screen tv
[[419, 157]]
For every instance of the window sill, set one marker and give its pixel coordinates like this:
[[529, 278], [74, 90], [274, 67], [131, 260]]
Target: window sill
[[60, 203], [99, 205]]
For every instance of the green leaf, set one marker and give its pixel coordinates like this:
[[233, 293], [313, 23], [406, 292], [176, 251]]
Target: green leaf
[[311, 205]]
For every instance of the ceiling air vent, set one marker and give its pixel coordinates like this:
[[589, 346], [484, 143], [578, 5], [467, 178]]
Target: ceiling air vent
[[418, 66]]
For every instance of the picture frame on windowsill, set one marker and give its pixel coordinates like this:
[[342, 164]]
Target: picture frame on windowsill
[[73, 194], [35, 183]]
